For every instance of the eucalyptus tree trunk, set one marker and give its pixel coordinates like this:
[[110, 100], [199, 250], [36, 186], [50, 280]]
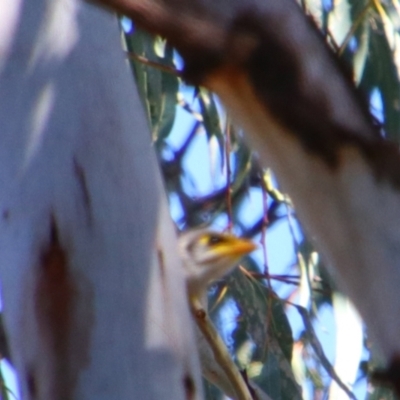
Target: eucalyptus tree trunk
[[94, 303]]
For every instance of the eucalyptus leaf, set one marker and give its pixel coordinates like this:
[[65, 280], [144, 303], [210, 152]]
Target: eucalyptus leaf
[[252, 305], [384, 76], [276, 377], [211, 118], [381, 393], [157, 87], [263, 313]]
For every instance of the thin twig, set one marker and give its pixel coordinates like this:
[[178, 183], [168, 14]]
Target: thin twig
[[264, 226], [228, 174], [182, 151], [279, 278], [288, 279], [221, 354], [186, 106], [353, 28], [144, 60]]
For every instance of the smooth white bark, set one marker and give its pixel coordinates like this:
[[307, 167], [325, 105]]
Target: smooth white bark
[[94, 297]]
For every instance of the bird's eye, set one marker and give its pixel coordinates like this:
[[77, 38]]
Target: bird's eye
[[215, 239]]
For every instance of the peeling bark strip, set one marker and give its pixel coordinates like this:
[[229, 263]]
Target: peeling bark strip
[[55, 305]]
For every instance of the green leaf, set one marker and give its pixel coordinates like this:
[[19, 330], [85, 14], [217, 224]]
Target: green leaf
[[381, 393], [361, 54], [262, 311], [383, 75], [159, 46], [276, 377], [168, 99], [158, 89], [339, 20], [253, 307], [211, 118], [137, 43]]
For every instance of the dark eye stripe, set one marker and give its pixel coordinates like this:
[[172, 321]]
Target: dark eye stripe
[[215, 239]]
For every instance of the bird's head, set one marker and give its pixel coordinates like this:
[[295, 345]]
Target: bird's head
[[208, 255]]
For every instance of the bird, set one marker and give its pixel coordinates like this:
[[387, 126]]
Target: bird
[[208, 255]]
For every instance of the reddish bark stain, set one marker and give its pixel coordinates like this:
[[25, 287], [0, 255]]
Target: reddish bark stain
[[189, 386], [66, 339]]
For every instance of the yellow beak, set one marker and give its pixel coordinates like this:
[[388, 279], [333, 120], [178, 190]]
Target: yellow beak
[[235, 247]]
